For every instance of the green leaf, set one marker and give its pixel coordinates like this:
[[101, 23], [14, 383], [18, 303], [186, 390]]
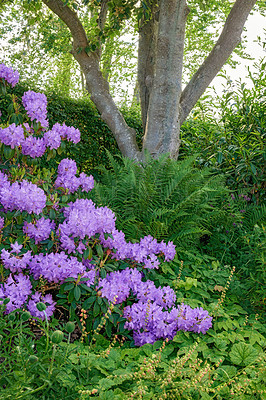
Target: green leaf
[[253, 169], [77, 293], [219, 157], [87, 253], [99, 250], [96, 309], [69, 287], [52, 214], [8, 152], [243, 354], [88, 302], [65, 198]]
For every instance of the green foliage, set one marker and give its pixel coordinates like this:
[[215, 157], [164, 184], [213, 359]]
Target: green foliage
[[82, 114], [163, 198], [244, 245], [233, 143], [227, 359]]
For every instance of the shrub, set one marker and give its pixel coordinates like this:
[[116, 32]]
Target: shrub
[[53, 237], [89, 153], [232, 141]]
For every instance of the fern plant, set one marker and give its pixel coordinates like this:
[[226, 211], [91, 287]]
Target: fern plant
[[170, 200]]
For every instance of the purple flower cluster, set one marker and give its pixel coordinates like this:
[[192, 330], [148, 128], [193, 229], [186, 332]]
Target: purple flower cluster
[[22, 196], [154, 316], [55, 267], [84, 220], [36, 106], [121, 283], [58, 132], [17, 289], [9, 75], [40, 230], [193, 320], [150, 322], [12, 135], [36, 146], [145, 252], [15, 263], [67, 178], [33, 147]]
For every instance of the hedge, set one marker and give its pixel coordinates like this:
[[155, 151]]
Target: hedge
[[82, 114]]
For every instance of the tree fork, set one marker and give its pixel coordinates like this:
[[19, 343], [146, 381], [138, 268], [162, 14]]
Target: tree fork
[[96, 85]]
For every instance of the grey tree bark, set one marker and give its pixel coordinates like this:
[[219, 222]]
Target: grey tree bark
[[163, 122], [164, 105]]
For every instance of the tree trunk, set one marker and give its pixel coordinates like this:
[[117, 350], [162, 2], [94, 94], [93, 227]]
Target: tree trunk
[[163, 121], [161, 46], [148, 33], [97, 86]]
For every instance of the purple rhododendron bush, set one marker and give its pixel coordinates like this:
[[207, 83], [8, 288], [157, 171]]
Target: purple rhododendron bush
[[58, 248]]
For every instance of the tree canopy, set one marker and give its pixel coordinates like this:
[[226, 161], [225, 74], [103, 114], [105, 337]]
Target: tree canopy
[[180, 42]]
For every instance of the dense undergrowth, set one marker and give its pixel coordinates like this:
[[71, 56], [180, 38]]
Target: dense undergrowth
[[87, 313]]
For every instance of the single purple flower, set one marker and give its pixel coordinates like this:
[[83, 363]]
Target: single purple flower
[[16, 247]]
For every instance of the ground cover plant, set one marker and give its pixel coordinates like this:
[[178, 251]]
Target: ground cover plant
[[85, 313]]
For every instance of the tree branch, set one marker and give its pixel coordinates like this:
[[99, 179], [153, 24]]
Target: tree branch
[[227, 41], [96, 84], [71, 19], [103, 14]]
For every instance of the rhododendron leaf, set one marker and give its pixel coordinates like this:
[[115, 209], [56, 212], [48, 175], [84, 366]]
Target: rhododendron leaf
[[65, 198], [8, 152], [85, 287], [69, 287], [77, 293], [52, 214], [96, 309], [87, 254], [88, 302], [99, 250], [108, 329]]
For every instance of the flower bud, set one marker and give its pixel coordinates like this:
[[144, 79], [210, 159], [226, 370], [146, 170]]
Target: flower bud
[[11, 317], [25, 316], [70, 326], [57, 337], [41, 306]]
